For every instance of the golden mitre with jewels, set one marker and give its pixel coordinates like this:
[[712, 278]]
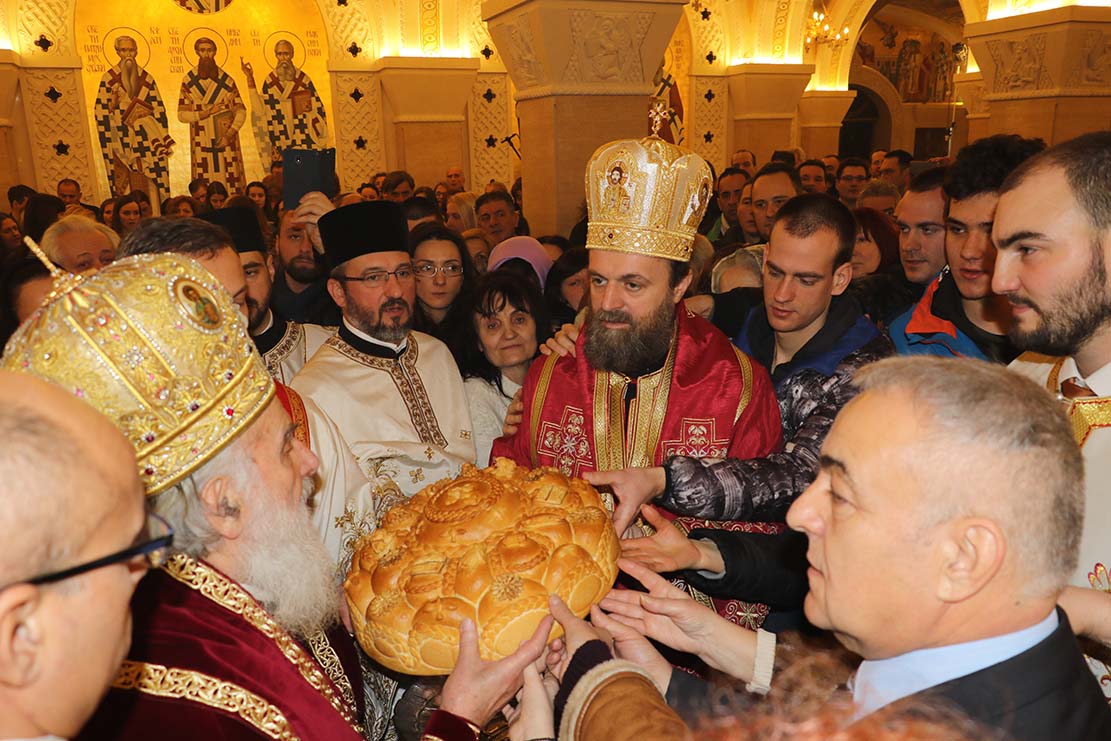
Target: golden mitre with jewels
[[155, 344], [646, 197]]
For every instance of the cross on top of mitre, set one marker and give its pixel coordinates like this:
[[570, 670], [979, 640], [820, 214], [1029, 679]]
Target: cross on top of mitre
[[659, 112]]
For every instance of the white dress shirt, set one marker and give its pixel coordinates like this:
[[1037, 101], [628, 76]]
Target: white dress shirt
[[882, 682]]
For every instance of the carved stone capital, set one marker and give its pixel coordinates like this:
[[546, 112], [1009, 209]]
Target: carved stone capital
[[426, 89], [971, 92], [1064, 51], [822, 108], [582, 47], [761, 92]]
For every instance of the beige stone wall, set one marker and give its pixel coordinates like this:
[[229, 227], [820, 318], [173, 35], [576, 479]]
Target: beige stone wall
[[1045, 72]]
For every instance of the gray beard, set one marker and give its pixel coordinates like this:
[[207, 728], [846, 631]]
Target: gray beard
[[285, 71], [291, 572], [129, 75], [372, 324]]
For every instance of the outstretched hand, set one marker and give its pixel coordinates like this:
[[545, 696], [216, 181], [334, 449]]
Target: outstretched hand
[[477, 689], [576, 632], [631, 488], [534, 716], [667, 550], [665, 613], [632, 646]]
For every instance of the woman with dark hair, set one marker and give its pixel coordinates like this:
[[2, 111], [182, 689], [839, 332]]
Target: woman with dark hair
[[565, 286], [554, 245], [145, 208], [24, 284], [127, 214], [444, 272], [184, 206], [11, 239], [107, 206], [216, 196], [877, 243], [256, 191], [41, 211], [506, 322]]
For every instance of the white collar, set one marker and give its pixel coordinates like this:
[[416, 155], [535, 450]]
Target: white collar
[[882, 682], [364, 336], [1099, 381]]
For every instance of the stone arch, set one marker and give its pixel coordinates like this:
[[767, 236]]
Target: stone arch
[[834, 69], [882, 90]]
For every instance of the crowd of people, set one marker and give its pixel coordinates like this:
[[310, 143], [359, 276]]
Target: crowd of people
[[851, 412]]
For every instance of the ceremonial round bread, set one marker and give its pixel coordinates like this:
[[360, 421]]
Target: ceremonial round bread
[[489, 545]]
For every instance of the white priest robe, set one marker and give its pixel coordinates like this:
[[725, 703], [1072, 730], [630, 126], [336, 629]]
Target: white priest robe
[[403, 414], [286, 346], [1091, 424]]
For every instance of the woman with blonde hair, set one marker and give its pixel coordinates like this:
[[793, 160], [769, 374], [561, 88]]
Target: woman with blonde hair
[[478, 246], [460, 212]]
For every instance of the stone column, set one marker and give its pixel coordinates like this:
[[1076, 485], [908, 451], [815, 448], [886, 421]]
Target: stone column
[[820, 115], [9, 80], [425, 106], [764, 99], [1046, 74], [583, 71], [969, 90]]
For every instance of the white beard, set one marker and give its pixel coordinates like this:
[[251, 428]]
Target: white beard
[[290, 571]]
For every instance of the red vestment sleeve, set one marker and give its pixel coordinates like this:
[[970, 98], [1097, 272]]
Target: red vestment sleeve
[[759, 430]]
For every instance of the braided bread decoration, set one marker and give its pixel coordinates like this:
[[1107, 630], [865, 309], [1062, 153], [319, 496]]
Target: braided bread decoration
[[489, 545]]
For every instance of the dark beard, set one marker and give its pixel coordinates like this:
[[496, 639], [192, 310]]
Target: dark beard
[[256, 316], [1081, 311], [302, 274], [631, 352], [370, 322], [207, 69]]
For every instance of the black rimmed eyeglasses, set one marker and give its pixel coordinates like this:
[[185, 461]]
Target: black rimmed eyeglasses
[[379, 278], [153, 550]]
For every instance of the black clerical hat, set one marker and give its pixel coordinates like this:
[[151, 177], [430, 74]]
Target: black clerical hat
[[363, 228], [242, 224]]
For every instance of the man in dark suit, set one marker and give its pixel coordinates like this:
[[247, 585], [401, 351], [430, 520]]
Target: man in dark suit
[[943, 525]]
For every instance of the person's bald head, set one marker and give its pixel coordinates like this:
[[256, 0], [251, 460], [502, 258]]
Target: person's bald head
[[50, 439], [70, 494]]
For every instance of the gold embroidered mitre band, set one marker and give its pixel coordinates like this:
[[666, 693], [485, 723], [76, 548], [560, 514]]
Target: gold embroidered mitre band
[[646, 197], [155, 344]]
